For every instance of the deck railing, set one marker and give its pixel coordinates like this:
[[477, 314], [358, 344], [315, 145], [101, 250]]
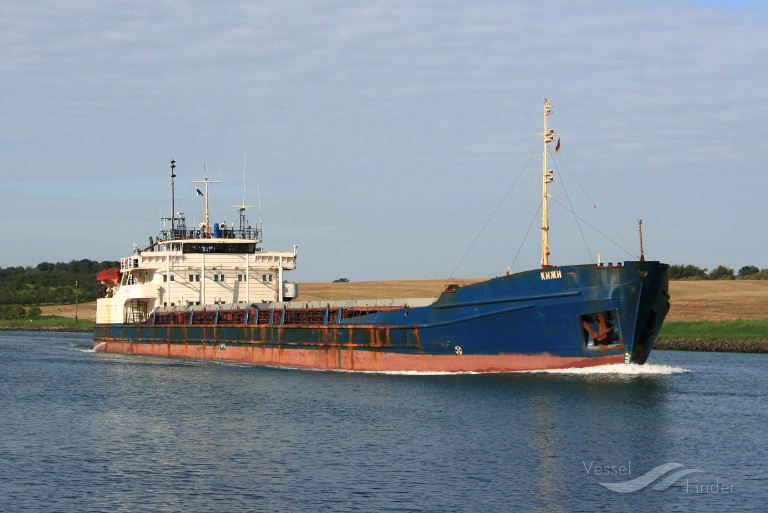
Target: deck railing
[[268, 316]]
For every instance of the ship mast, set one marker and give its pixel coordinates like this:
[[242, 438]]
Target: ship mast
[[547, 177], [173, 194], [207, 214], [242, 206]]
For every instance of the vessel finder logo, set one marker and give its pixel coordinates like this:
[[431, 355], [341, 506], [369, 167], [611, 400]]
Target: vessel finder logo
[[670, 472]]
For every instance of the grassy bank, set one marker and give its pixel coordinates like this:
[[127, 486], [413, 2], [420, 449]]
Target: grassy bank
[[47, 323], [753, 330]]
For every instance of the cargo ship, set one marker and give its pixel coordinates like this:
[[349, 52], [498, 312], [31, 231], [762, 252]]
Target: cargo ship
[[213, 293]]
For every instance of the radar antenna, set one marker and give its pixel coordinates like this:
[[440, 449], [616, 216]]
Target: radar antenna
[[242, 206]]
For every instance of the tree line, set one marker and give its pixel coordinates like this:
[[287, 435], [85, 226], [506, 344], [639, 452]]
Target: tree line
[[721, 272], [50, 283], [19, 312]]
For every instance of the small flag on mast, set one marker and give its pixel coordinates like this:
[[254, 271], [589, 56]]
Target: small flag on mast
[[199, 192], [557, 147]]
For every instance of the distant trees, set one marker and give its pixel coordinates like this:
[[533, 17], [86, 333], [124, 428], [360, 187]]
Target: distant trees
[[762, 275], [18, 312], [687, 272], [748, 270], [721, 272], [50, 283]]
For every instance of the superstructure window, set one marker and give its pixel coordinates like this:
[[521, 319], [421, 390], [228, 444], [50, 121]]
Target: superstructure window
[[240, 277], [266, 277], [218, 277], [194, 277], [221, 247]]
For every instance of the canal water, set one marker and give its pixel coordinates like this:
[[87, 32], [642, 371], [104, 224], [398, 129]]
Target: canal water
[[84, 431]]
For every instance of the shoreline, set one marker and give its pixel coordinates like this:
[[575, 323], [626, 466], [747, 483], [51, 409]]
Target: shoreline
[[713, 346], [58, 329]]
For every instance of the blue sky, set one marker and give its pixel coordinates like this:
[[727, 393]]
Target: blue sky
[[384, 135]]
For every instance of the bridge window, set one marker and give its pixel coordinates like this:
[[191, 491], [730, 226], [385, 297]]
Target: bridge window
[[222, 247]]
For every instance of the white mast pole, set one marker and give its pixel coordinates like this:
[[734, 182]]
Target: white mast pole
[[168, 272], [242, 206], [173, 197], [207, 212], [547, 178]]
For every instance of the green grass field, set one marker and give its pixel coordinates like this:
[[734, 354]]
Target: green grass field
[[48, 323], [753, 330]]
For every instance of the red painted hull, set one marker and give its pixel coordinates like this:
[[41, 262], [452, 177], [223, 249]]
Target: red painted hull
[[341, 358]]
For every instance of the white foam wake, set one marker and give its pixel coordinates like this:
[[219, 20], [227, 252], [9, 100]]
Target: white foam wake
[[616, 369], [620, 369], [82, 349]]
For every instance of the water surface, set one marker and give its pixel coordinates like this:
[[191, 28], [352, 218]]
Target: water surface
[[84, 431]]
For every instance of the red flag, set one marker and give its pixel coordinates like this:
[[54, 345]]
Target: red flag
[[557, 147]]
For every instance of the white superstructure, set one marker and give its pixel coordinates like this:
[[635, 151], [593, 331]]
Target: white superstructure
[[187, 269]]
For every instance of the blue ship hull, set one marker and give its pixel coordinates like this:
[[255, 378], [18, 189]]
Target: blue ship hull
[[570, 316]]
